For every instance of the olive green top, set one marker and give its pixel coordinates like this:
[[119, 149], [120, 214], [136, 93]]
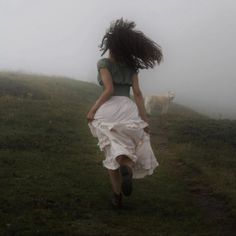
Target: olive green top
[[121, 76]]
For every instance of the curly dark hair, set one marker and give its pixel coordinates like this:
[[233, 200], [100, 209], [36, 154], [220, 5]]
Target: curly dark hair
[[130, 46]]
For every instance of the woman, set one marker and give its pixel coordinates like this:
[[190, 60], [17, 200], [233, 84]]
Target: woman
[[121, 125]]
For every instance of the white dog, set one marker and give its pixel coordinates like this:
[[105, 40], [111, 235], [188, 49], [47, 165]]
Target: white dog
[[151, 102]]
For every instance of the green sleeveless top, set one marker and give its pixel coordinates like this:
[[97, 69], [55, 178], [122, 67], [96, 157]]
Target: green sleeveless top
[[121, 76]]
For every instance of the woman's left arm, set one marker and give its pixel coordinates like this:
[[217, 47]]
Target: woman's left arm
[[107, 92]]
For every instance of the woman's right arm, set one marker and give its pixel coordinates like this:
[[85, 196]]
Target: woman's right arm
[[138, 97], [108, 89]]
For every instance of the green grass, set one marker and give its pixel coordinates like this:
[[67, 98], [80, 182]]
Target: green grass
[[208, 145], [53, 183]]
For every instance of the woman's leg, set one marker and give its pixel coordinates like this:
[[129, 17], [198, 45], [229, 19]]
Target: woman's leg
[[126, 171], [115, 177], [116, 187], [124, 160], [115, 180]]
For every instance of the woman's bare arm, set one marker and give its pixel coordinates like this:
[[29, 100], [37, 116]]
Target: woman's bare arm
[[108, 90], [138, 97]]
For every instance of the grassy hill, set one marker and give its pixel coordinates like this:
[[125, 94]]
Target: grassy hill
[[53, 183]]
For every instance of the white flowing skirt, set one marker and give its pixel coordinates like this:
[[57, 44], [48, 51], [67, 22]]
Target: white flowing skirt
[[119, 130]]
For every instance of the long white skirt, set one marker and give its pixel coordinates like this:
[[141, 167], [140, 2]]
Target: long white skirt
[[119, 130]]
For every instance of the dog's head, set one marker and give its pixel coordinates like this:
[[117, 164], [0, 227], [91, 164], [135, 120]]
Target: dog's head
[[171, 95]]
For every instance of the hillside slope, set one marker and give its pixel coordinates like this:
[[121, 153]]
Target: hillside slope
[[53, 182]]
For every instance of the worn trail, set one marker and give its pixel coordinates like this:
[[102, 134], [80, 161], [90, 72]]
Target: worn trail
[[214, 207]]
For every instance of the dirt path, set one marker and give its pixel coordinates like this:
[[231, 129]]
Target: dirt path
[[214, 207]]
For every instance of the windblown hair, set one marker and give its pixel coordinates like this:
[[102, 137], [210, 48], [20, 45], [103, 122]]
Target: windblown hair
[[130, 46]]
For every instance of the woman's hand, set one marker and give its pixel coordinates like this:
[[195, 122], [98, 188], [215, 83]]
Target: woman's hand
[[90, 116], [146, 129]]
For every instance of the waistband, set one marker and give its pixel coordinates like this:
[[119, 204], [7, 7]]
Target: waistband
[[121, 90]]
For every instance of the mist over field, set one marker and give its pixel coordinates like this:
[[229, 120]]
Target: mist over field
[[52, 176], [59, 37]]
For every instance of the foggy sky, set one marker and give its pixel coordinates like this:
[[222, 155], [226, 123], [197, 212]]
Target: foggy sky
[[61, 37]]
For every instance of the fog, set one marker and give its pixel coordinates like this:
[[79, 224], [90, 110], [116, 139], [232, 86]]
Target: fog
[[61, 37]]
